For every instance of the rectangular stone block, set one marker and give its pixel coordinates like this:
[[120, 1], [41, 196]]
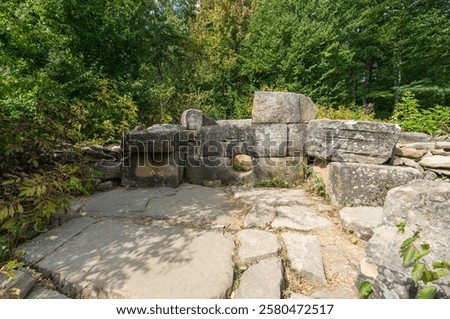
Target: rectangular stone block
[[260, 140], [352, 141], [289, 169], [282, 107], [157, 140], [296, 139], [153, 170], [366, 185]]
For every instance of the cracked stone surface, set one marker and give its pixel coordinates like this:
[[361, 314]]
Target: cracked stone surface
[[257, 244], [262, 281], [188, 242], [299, 218]]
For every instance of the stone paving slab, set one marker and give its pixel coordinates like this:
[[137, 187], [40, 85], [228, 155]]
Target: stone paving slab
[[260, 215], [273, 196], [39, 292], [122, 202], [39, 247], [262, 281], [257, 244], [305, 257], [197, 205], [361, 221], [299, 218], [120, 259]]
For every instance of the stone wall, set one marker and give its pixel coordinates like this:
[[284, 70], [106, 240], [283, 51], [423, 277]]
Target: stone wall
[[359, 161]]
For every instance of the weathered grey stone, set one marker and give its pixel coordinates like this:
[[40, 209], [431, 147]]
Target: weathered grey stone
[[282, 107], [366, 185], [298, 296], [262, 281], [17, 287], [192, 119], [362, 221], [39, 292], [203, 169], [437, 161], [299, 218], [157, 139], [429, 175], [443, 145], [285, 168], [440, 152], [39, 247], [409, 152], [422, 205], [414, 137], [305, 257], [106, 186], [106, 170], [124, 203], [213, 184], [257, 244], [352, 141], [112, 259], [399, 161], [344, 293], [297, 139], [445, 172], [242, 163], [273, 196], [427, 146], [260, 215], [102, 152], [236, 123], [153, 170], [195, 205]]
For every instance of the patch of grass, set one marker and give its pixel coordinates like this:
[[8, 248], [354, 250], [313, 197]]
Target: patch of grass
[[272, 182]]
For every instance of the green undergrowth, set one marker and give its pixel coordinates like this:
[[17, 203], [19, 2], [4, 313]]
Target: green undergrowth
[[272, 182]]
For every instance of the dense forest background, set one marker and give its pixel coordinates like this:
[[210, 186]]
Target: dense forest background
[[84, 71]]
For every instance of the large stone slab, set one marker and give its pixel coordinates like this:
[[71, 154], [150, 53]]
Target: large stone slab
[[343, 293], [40, 292], [282, 107], [352, 141], [299, 218], [257, 244], [273, 196], [262, 281], [297, 137], [196, 205], [437, 161], [17, 287], [260, 215], [120, 259], [366, 185], [39, 247], [269, 140], [157, 139], [125, 203], [361, 221], [153, 169], [414, 137], [423, 205], [305, 257]]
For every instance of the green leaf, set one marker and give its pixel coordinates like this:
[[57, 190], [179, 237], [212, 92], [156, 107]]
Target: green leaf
[[427, 276], [407, 242], [408, 255], [401, 227], [417, 272], [427, 292], [425, 250], [441, 264], [365, 290]]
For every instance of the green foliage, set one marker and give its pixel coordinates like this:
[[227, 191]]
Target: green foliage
[[272, 182], [314, 182], [343, 113], [365, 290], [411, 117]]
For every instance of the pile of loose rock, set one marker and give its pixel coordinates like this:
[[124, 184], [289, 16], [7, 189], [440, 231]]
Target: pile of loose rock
[[422, 152]]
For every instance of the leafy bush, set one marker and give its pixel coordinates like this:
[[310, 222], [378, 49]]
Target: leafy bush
[[343, 113], [411, 117]]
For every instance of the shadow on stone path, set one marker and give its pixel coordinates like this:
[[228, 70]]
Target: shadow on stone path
[[198, 242]]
